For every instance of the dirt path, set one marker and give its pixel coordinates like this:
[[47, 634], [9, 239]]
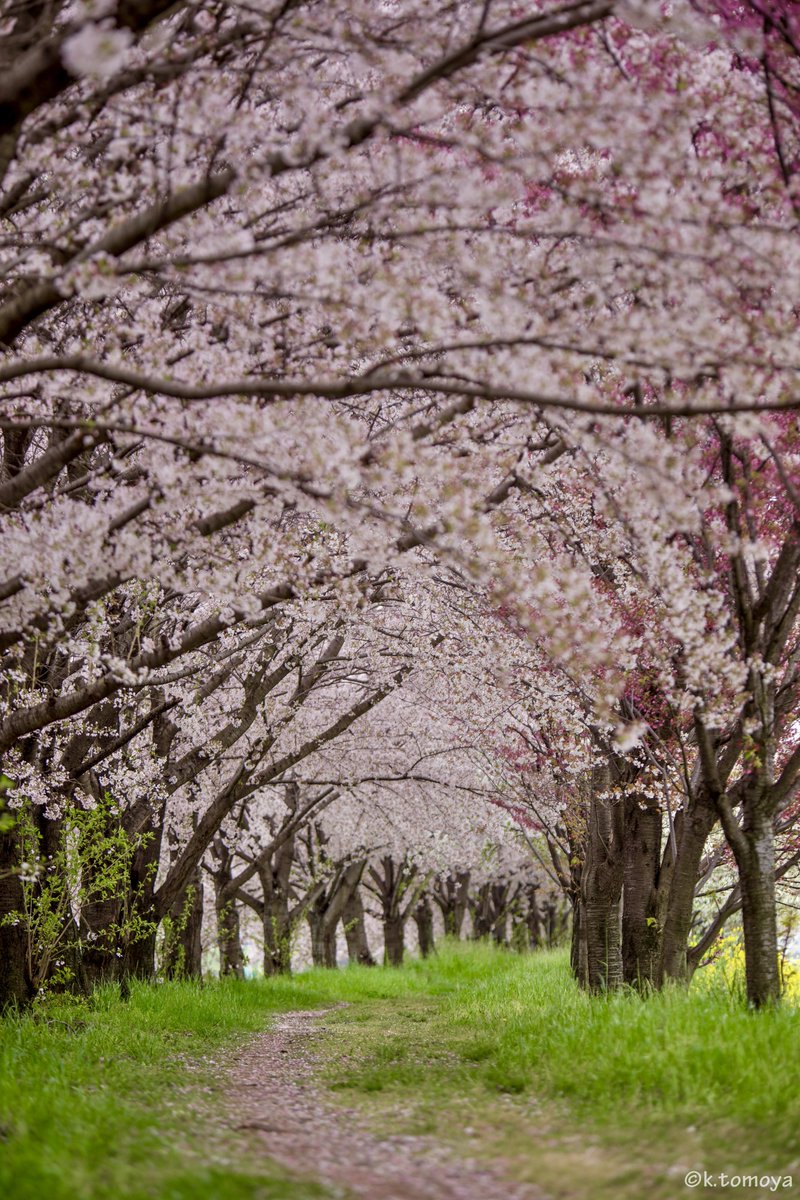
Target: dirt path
[[276, 1098]]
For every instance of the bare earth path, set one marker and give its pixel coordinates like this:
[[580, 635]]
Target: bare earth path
[[275, 1097]]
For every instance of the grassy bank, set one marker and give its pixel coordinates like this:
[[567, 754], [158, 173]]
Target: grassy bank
[[587, 1096], [111, 1101], [498, 1055]]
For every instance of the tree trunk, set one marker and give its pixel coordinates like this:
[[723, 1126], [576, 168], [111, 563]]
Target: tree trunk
[[481, 911], [45, 973], [229, 938], [603, 941], [393, 941], [316, 927], [692, 829], [184, 949], [355, 931], [394, 884], [641, 931], [139, 956], [329, 947], [423, 919], [277, 919], [323, 938], [451, 894], [759, 920], [578, 959], [329, 907], [459, 908], [533, 919], [499, 897], [232, 960], [97, 950], [572, 886], [16, 989], [601, 885], [277, 938], [100, 961], [555, 922]]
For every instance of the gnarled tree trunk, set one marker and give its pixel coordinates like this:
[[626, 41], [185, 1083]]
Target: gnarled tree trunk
[[500, 910]]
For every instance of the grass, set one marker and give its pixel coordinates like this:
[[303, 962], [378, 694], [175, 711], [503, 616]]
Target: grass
[[105, 1100], [497, 1055], [503, 1056]]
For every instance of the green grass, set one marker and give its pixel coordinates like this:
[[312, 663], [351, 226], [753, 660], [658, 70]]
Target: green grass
[[105, 1100], [497, 1055], [587, 1096]]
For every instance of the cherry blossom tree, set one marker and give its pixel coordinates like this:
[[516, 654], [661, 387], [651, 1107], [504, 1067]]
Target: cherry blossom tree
[[486, 309]]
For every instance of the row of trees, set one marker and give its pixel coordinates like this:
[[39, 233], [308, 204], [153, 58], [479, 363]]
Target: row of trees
[[398, 425], [515, 908]]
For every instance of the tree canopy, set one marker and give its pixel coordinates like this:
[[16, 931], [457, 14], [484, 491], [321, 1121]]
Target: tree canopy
[[400, 473]]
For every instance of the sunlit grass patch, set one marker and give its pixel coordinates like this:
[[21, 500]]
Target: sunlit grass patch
[[102, 1100], [516, 1051]]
